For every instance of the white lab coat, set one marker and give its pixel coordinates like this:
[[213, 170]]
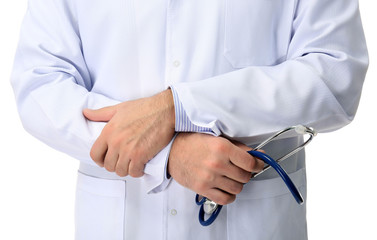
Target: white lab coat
[[243, 68]]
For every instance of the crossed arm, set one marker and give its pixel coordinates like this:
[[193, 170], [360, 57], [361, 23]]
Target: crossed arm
[[137, 130], [318, 83]]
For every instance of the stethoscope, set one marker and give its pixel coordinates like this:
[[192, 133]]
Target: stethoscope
[[209, 207]]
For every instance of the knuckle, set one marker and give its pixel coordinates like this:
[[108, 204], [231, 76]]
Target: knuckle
[[207, 177], [121, 172], [238, 188], [99, 163], [226, 199], [230, 199], [251, 164], [107, 129], [115, 141], [260, 165], [98, 160], [136, 169], [135, 173], [137, 156], [109, 167], [215, 164], [200, 186], [246, 177], [93, 155], [219, 146]]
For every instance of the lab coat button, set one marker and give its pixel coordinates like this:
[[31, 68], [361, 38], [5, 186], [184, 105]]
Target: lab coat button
[[173, 212], [176, 63]]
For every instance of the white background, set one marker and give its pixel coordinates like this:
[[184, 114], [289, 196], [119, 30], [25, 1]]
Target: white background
[[37, 184]]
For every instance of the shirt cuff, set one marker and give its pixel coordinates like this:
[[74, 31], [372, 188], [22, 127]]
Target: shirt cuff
[[155, 172], [182, 122]]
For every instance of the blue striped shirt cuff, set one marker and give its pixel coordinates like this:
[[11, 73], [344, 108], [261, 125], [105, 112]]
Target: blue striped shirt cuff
[[182, 122]]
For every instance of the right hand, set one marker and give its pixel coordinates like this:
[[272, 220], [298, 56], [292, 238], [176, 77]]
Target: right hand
[[211, 166], [136, 131]]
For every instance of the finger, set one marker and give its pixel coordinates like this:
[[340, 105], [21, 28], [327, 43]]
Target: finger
[[242, 146], [98, 151], [136, 169], [236, 173], [244, 160], [100, 115], [230, 186], [220, 197], [245, 147], [110, 160], [122, 166], [259, 164]]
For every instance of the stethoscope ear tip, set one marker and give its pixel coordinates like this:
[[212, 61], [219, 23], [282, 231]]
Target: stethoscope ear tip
[[301, 129]]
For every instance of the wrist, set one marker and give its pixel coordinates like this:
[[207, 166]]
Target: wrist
[[167, 104]]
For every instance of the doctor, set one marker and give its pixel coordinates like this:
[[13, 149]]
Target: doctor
[[116, 84]]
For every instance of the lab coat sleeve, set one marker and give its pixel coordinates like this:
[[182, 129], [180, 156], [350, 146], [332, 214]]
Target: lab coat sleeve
[[182, 122], [52, 84], [319, 84]]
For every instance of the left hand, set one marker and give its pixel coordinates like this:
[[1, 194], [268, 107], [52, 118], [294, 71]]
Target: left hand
[[211, 166], [136, 131]]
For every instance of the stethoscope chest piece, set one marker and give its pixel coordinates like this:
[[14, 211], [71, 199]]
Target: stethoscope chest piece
[[209, 210], [209, 206]]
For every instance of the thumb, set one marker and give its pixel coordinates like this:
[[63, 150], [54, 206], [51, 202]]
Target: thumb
[[242, 146], [246, 148], [259, 164], [100, 115]]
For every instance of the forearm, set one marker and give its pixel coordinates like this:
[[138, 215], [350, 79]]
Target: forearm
[[53, 114], [319, 83], [51, 81]]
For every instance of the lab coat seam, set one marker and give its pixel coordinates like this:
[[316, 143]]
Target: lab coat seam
[[291, 28], [101, 179], [240, 62], [80, 43], [97, 194], [225, 50], [168, 47], [165, 215], [71, 67], [93, 176], [298, 177], [300, 187], [287, 192], [124, 211]]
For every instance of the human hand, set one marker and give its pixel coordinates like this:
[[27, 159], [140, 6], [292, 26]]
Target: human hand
[[211, 166], [136, 131]]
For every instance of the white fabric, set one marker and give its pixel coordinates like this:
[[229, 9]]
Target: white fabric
[[242, 68]]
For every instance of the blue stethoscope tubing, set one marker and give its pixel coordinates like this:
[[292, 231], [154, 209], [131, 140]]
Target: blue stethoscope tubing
[[268, 160], [299, 129], [212, 217], [283, 174]]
